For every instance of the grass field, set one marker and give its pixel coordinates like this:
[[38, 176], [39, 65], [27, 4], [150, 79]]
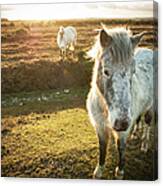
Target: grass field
[[45, 127]]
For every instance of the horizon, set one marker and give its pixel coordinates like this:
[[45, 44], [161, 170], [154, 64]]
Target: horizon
[[63, 11], [78, 19]]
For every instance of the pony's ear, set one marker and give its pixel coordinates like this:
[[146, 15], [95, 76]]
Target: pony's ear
[[136, 39], [105, 39]]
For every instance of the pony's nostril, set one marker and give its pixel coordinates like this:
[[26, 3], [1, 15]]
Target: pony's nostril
[[116, 124], [124, 124], [106, 72]]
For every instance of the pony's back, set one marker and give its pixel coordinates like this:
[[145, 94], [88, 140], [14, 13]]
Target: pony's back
[[142, 81]]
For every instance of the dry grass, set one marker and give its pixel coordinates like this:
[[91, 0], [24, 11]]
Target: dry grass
[[30, 54]]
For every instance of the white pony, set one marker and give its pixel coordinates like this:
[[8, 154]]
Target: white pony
[[66, 39], [121, 91]]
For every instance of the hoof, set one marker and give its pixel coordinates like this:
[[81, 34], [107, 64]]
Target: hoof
[[98, 172], [119, 174]]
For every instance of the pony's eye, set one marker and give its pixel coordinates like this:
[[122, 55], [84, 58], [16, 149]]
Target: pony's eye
[[107, 73]]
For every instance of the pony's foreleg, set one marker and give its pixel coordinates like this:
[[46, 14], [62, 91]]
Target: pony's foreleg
[[146, 131], [121, 144], [103, 141]]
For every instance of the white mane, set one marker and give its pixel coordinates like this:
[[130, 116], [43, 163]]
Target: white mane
[[121, 49]]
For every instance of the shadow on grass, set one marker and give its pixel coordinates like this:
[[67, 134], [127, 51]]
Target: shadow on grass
[[43, 102]]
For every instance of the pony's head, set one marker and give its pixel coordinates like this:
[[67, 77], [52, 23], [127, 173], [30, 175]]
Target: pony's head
[[61, 31], [114, 53]]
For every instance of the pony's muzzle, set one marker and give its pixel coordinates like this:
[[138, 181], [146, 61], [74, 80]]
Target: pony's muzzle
[[121, 125]]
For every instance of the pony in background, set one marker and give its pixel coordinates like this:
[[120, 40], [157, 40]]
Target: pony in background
[[66, 39]]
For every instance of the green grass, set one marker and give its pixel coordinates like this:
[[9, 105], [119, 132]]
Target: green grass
[[49, 146], [54, 138], [47, 138]]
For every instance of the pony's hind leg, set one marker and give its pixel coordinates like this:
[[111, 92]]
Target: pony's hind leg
[[74, 44], [103, 141], [138, 125], [146, 130]]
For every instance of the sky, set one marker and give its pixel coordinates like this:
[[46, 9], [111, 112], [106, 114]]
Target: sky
[[77, 10]]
